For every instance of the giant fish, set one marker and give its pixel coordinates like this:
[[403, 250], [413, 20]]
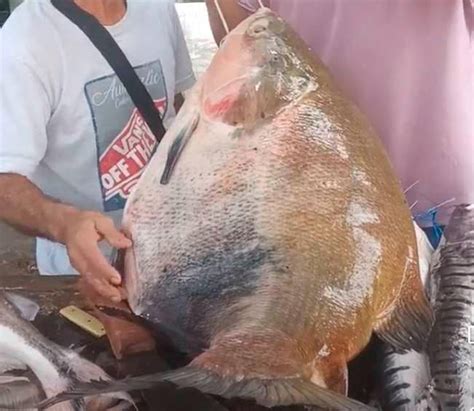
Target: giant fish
[[270, 235], [55, 368]]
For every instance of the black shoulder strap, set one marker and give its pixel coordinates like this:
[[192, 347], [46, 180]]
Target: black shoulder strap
[[105, 43]]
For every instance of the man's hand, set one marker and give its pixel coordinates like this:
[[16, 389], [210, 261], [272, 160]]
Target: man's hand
[[81, 233], [25, 207]]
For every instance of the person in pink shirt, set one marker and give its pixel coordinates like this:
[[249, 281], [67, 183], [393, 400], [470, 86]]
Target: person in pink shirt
[[408, 65]]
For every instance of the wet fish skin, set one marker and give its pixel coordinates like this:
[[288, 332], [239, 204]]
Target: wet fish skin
[[56, 368], [451, 348], [247, 204], [269, 240], [266, 248]]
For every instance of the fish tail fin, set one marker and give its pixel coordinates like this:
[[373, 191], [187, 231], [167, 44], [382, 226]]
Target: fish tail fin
[[227, 370], [269, 392], [407, 324]]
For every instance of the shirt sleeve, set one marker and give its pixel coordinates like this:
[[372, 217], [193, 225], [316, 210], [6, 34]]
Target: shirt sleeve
[[24, 114], [184, 74], [252, 5]]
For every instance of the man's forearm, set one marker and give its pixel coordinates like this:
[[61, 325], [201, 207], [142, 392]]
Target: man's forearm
[[26, 208]]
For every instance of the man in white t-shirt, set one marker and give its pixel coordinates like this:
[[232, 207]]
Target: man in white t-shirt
[[72, 144]]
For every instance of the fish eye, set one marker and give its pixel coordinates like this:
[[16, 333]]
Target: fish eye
[[259, 27]]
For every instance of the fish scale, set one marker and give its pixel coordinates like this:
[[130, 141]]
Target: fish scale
[[260, 231]]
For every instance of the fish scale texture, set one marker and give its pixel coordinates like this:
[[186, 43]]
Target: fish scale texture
[[278, 218], [271, 236]]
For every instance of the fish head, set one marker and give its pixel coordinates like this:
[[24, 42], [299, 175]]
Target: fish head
[[266, 68]]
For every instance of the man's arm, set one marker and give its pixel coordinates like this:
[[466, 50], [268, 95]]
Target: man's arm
[[23, 145], [25, 207], [232, 13]]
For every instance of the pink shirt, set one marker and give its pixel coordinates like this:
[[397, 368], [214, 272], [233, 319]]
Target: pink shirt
[[408, 64]]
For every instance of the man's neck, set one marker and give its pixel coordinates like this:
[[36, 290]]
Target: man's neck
[[108, 12]]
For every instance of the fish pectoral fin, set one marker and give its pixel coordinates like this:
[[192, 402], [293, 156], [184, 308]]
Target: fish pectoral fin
[[406, 325], [27, 308], [177, 147]]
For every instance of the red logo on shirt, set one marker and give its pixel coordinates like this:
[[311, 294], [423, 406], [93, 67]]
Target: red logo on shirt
[[123, 161]]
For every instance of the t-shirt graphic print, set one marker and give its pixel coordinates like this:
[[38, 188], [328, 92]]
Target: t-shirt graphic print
[[124, 141]]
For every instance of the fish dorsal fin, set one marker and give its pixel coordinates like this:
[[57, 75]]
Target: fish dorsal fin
[[27, 308]]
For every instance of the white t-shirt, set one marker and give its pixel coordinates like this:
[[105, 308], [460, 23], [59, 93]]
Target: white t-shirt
[[66, 121]]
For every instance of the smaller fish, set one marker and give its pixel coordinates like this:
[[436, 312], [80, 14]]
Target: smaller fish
[[56, 368], [451, 343], [404, 375]]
